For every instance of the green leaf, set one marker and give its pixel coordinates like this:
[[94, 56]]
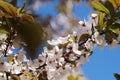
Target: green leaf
[[3, 31], [78, 76], [35, 78], [10, 57], [32, 34], [61, 8], [15, 77], [83, 37], [110, 7], [72, 37], [21, 10], [115, 28], [71, 77], [27, 73], [108, 37], [101, 21], [8, 8], [117, 76], [115, 3], [99, 6], [27, 17], [23, 7]]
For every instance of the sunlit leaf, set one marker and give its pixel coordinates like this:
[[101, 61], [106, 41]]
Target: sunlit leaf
[[72, 37], [99, 6], [1, 14], [3, 31], [61, 8], [71, 77], [21, 10], [15, 77], [23, 7], [27, 73], [78, 76], [35, 78], [8, 8], [115, 3], [27, 17], [10, 57], [101, 21]]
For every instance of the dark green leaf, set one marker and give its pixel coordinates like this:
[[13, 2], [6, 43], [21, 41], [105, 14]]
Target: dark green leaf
[[117, 76], [115, 28], [92, 29], [108, 37], [32, 34], [110, 7], [8, 8], [83, 37], [115, 3], [116, 16]]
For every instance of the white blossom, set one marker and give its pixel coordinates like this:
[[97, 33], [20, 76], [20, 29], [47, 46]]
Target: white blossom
[[2, 64], [60, 40], [21, 56], [89, 45], [97, 38], [17, 42], [75, 49], [85, 27], [3, 36], [113, 44]]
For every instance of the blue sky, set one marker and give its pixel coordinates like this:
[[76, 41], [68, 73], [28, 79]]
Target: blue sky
[[103, 63]]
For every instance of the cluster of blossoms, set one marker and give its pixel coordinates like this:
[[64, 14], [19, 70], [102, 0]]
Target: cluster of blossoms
[[63, 56]]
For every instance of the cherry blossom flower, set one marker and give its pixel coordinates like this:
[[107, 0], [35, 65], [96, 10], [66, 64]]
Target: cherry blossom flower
[[89, 45], [3, 36], [60, 40], [17, 42], [21, 56], [2, 64], [97, 38], [85, 27], [94, 19], [113, 44]]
